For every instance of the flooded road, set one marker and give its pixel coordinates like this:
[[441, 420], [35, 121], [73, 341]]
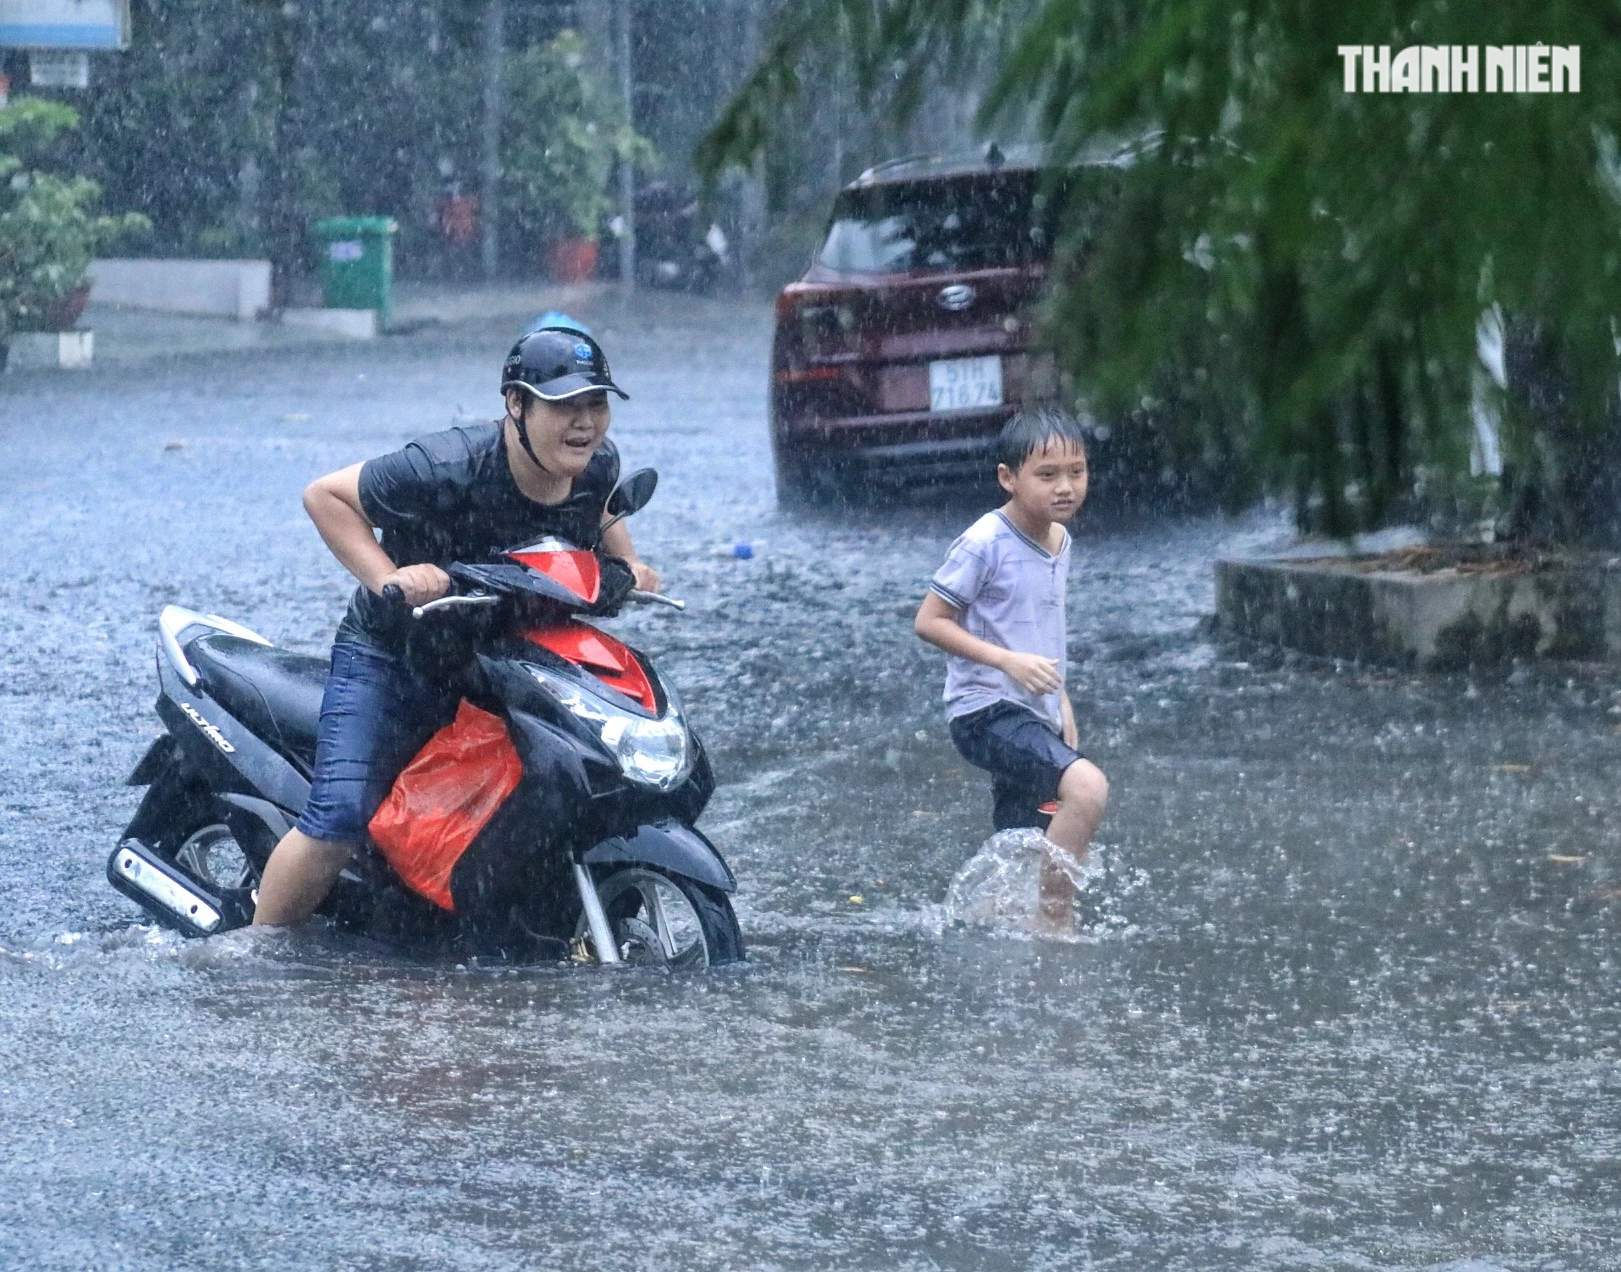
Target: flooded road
[[1355, 1005]]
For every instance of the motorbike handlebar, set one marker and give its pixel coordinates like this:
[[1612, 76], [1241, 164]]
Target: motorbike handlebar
[[446, 602], [655, 598], [395, 595]]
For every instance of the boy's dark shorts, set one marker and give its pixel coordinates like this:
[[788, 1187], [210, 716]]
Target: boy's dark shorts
[[1023, 755]]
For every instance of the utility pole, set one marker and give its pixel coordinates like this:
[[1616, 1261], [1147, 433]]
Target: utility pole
[[595, 19], [283, 219], [838, 123], [627, 173], [495, 17], [751, 197]]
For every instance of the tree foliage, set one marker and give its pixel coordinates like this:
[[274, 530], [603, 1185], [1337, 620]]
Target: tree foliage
[[565, 131], [1302, 267], [170, 121], [50, 228], [234, 127]]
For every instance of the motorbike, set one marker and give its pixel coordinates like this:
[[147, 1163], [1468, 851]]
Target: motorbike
[[676, 248], [555, 817]]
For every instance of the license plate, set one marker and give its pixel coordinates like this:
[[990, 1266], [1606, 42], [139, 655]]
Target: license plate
[[963, 384]]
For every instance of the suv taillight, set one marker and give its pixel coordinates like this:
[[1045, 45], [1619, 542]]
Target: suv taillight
[[818, 332]]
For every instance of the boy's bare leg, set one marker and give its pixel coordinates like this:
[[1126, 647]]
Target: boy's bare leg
[[299, 874], [1083, 794]]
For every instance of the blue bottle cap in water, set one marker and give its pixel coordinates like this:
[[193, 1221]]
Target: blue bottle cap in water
[[743, 551]]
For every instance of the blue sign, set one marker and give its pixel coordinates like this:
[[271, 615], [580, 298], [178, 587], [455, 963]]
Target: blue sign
[[64, 24]]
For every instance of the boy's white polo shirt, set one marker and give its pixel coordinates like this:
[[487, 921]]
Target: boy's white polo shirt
[[1008, 590]]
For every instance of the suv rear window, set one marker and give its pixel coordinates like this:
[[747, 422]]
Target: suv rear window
[[977, 222]]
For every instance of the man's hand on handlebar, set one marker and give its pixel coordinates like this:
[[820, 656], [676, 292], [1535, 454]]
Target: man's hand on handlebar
[[647, 578], [418, 584]]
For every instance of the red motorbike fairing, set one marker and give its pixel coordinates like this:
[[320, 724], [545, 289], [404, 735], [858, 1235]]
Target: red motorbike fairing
[[600, 654], [443, 799], [578, 571]]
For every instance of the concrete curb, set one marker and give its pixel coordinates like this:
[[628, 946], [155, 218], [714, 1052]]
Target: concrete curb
[[127, 336], [50, 350], [1441, 620], [357, 324]]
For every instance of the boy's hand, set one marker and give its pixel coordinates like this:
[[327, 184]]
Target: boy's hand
[[1070, 734], [1031, 672], [420, 583]]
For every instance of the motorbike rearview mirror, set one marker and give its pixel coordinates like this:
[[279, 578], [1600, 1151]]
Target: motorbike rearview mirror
[[630, 495], [633, 493]]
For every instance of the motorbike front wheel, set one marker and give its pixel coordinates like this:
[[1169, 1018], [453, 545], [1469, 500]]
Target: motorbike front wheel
[[667, 920]]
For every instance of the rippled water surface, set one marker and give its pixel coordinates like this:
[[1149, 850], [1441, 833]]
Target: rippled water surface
[[1355, 1006]]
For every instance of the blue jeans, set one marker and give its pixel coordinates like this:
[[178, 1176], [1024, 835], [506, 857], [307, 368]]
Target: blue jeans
[[375, 715]]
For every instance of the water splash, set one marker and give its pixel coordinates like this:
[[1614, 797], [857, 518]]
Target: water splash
[[1000, 887], [315, 943]]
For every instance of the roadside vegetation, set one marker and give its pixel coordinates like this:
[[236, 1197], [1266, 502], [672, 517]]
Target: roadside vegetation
[[234, 128], [1293, 272], [51, 225]]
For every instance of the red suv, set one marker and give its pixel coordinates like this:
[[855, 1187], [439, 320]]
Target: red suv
[[906, 345]]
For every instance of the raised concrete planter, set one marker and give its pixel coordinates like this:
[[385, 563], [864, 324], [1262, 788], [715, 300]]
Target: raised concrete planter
[[45, 350], [234, 289], [1361, 609], [360, 324]]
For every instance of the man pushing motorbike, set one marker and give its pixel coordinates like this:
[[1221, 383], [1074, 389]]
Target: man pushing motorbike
[[547, 468]]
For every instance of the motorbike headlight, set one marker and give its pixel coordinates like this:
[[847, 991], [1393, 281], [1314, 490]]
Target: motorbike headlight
[[657, 753]]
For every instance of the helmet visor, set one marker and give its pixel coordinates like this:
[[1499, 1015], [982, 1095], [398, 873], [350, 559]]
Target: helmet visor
[[568, 386]]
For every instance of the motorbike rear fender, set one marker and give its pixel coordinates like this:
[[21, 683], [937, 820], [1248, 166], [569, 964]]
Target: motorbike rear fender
[[157, 758], [178, 801], [175, 802], [221, 750], [668, 845]]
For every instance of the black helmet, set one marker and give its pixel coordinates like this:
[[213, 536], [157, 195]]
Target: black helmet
[[555, 363]]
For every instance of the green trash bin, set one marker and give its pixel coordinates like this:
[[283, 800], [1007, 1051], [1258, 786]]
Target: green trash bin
[[357, 263]]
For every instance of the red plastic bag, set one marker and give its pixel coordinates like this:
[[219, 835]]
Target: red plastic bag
[[445, 796]]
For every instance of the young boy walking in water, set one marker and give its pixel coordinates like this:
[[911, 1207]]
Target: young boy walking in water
[[997, 609]]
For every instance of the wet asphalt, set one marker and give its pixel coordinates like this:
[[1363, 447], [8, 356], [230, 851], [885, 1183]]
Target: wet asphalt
[[1353, 1005]]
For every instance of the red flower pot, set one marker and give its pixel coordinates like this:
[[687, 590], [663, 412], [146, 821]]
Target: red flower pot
[[571, 260], [65, 312], [458, 218]]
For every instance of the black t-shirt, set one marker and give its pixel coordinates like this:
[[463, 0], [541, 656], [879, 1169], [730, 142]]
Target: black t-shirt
[[451, 497]]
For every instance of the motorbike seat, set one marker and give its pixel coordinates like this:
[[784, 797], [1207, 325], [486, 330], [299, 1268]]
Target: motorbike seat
[[275, 693]]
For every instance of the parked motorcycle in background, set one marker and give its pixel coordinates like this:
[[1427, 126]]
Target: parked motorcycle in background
[[676, 247]]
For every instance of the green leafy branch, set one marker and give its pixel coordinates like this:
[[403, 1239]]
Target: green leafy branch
[[1299, 268], [49, 229]]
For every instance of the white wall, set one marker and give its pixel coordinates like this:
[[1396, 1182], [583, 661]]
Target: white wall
[[236, 289]]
